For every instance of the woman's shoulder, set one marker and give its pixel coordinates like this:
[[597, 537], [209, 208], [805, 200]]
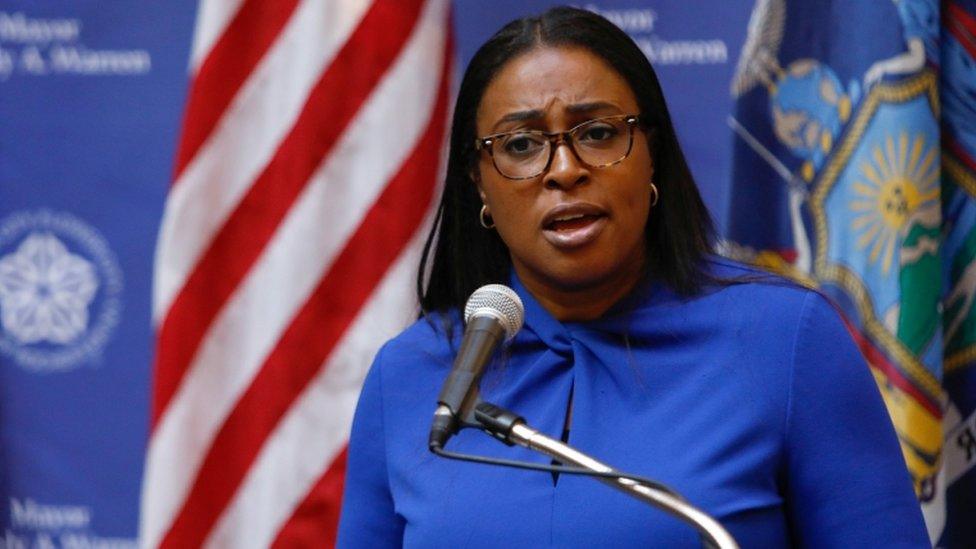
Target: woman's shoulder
[[760, 297], [752, 284], [431, 338], [724, 268]]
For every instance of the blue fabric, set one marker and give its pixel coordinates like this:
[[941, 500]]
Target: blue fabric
[[751, 400]]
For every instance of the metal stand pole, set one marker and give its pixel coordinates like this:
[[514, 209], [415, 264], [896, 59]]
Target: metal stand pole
[[512, 429]]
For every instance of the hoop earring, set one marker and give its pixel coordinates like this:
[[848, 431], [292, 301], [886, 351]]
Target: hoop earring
[[483, 217], [656, 195]]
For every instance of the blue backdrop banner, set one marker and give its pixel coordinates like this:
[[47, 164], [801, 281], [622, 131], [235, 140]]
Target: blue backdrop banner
[[90, 100]]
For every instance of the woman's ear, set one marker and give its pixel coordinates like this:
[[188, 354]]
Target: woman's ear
[[475, 177]]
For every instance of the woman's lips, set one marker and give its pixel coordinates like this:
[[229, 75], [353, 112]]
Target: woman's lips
[[574, 231]]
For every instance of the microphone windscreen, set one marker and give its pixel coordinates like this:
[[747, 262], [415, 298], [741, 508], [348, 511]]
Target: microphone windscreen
[[499, 301]]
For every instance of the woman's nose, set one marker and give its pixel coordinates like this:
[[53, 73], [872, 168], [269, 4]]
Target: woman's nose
[[566, 170]]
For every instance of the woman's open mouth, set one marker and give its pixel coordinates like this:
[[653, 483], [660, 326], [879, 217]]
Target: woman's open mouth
[[573, 225]]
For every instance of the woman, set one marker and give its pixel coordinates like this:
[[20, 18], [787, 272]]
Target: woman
[[565, 181]]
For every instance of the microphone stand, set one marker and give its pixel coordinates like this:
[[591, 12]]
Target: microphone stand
[[512, 429]]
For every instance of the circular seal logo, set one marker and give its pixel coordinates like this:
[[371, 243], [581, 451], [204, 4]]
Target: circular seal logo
[[60, 290]]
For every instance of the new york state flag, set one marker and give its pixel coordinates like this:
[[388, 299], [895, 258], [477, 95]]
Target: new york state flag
[[855, 173]]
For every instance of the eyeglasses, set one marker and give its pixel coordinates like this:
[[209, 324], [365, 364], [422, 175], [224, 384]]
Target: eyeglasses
[[525, 154]]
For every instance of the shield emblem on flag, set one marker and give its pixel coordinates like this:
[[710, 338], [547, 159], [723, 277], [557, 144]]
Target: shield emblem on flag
[[877, 219]]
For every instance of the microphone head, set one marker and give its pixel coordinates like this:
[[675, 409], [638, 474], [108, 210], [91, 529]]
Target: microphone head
[[498, 301]]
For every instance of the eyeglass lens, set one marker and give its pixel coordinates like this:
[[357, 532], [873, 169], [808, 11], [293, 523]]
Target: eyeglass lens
[[597, 143]]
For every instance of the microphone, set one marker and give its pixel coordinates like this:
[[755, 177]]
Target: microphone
[[493, 313]]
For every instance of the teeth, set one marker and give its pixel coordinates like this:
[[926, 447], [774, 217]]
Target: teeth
[[569, 217]]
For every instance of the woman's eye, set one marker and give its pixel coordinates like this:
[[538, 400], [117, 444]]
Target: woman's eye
[[598, 132], [523, 144]]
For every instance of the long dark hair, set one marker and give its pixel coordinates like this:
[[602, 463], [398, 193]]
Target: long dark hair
[[462, 255]]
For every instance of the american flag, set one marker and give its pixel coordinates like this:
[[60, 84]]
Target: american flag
[[311, 148]]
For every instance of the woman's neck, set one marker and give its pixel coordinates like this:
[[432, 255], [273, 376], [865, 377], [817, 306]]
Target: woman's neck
[[582, 303]]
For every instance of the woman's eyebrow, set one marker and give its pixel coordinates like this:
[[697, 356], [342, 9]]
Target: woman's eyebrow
[[536, 114], [590, 107], [519, 116]]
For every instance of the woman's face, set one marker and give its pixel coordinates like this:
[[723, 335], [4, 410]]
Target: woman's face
[[554, 89]]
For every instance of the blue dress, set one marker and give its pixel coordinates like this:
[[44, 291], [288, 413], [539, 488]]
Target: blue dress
[[750, 400]]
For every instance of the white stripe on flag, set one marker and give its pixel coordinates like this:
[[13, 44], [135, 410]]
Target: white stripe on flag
[[213, 17], [246, 138], [316, 428], [245, 331]]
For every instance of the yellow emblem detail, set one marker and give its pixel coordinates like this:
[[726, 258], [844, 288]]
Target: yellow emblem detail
[[893, 184], [807, 171], [844, 108], [919, 432]]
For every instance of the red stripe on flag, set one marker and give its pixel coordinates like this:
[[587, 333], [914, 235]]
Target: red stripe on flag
[[951, 145], [334, 101], [880, 361], [385, 231], [962, 25], [315, 521], [225, 69]]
